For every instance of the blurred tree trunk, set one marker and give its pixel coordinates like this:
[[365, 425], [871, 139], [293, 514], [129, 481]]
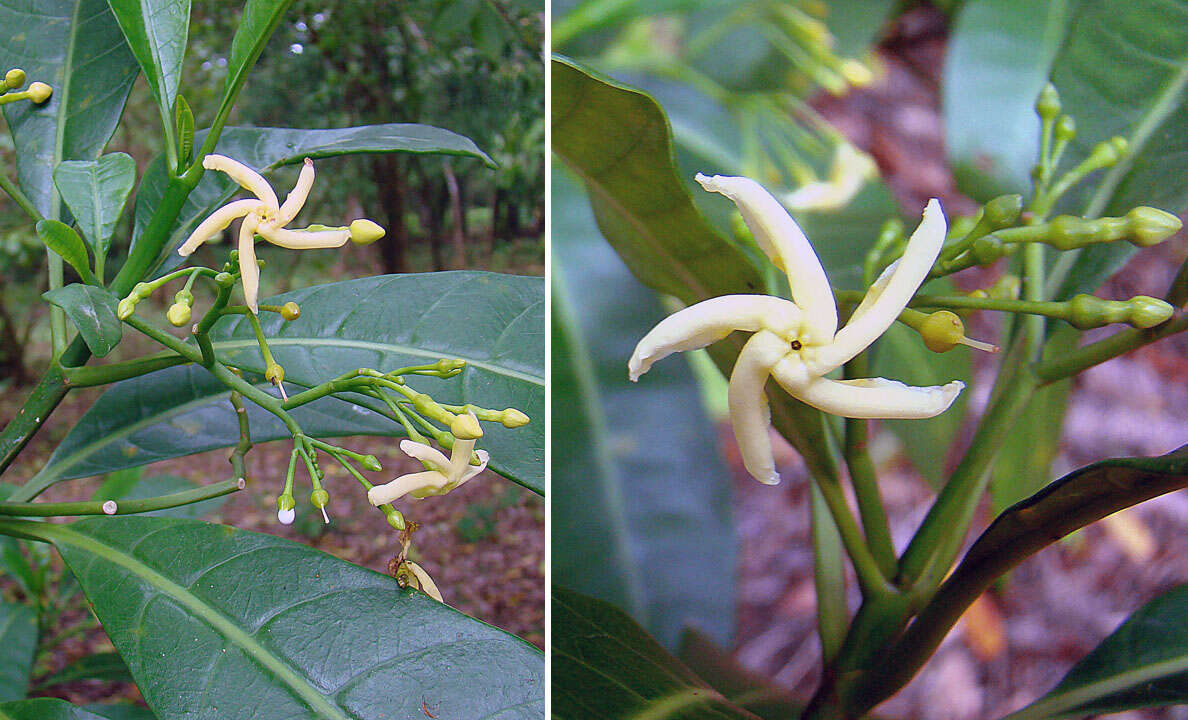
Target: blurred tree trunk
[[12, 349], [456, 212], [389, 178]]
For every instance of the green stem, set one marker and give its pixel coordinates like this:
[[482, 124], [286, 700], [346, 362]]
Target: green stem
[[123, 507], [864, 479], [19, 197], [829, 578], [42, 400], [90, 376], [870, 576], [1120, 343]]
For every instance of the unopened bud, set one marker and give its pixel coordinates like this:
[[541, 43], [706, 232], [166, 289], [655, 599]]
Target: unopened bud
[[274, 373], [284, 509], [371, 462], [142, 290], [365, 232], [1047, 106], [1108, 153], [224, 279], [290, 311], [1149, 226], [943, 330], [14, 78], [987, 249], [513, 418], [466, 427], [1003, 211], [1066, 129], [125, 309], [1066, 232], [178, 314], [39, 92], [1146, 312]]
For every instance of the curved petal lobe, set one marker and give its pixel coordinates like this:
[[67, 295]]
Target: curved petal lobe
[[711, 320], [247, 178], [412, 483], [750, 415], [304, 239], [426, 454], [876, 398], [216, 223], [296, 199]]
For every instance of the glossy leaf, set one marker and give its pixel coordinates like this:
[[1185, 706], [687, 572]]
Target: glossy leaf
[[44, 709], [642, 208], [1124, 72], [184, 122], [63, 240], [638, 480], [121, 711], [604, 665], [157, 31], [748, 689], [1144, 663], [107, 667], [495, 322], [158, 485], [266, 149], [18, 643], [1024, 462], [93, 312], [256, 25], [76, 46], [96, 191], [999, 58], [316, 637]]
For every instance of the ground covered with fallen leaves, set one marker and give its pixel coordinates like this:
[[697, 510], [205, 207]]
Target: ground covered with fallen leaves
[[1018, 641]]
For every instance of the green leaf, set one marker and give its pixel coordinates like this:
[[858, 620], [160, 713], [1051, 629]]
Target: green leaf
[[1024, 463], [184, 120], [158, 485], [76, 46], [62, 239], [495, 322], [119, 711], [316, 637], [642, 208], [107, 667], [93, 312], [18, 644], [1125, 72], [96, 192], [604, 665], [44, 709], [638, 481], [256, 25], [157, 31], [748, 689], [266, 149], [1144, 663], [999, 56]]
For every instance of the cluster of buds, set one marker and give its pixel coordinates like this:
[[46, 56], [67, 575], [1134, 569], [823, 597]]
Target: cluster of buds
[[37, 92]]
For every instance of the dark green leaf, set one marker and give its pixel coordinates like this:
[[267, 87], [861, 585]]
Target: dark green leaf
[[604, 665], [158, 485], [638, 481], [12, 561], [1024, 463], [44, 709], [108, 667], [18, 643], [118, 483], [76, 47], [121, 712], [999, 57], [93, 312], [265, 149], [748, 689], [1124, 72], [184, 122], [157, 31], [617, 140], [256, 25], [96, 191], [495, 322], [62, 239], [1144, 663], [316, 637]]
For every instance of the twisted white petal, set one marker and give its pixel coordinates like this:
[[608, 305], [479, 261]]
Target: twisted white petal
[[427, 454], [875, 397], [216, 223], [247, 178], [296, 199], [750, 416], [848, 172], [418, 484], [711, 320], [249, 271], [782, 239]]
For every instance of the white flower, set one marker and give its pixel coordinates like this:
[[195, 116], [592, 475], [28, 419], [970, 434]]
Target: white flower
[[848, 172], [797, 342], [444, 474], [262, 215]]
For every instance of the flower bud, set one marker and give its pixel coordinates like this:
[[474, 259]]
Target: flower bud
[[395, 518], [1149, 226], [365, 232], [290, 311], [371, 462], [1006, 287], [39, 92], [1146, 312], [987, 249], [178, 314], [1088, 311], [184, 297], [450, 365], [284, 509], [142, 290], [1108, 152], [1066, 129], [466, 427], [319, 498], [1047, 106], [1003, 211], [125, 309], [224, 279], [513, 418], [274, 373], [1066, 232], [14, 78]]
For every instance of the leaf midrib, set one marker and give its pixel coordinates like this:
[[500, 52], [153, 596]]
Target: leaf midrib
[[281, 669], [1054, 705]]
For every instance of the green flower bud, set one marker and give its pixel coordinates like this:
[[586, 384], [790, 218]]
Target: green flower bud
[[1088, 311], [178, 314], [184, 297], [513, 418], [942, 331], [14, 78], [224, 279], [1007, 287], [319, 498], [395, 519], [1146, 312], [234, 256], [371, 462], [1108, 153], [125, 309], [466, 427], [1066, 129], [1047, 106], [987, 249], [1003, 211], [290, 311], [142, 290], [285, 502], [39, 92], [274, 373], [365, 232], [1148, 226]]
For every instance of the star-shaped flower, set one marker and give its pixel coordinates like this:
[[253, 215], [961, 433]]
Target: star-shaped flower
[[263, 215], [848, 172], [444, 474], [797, 342]]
